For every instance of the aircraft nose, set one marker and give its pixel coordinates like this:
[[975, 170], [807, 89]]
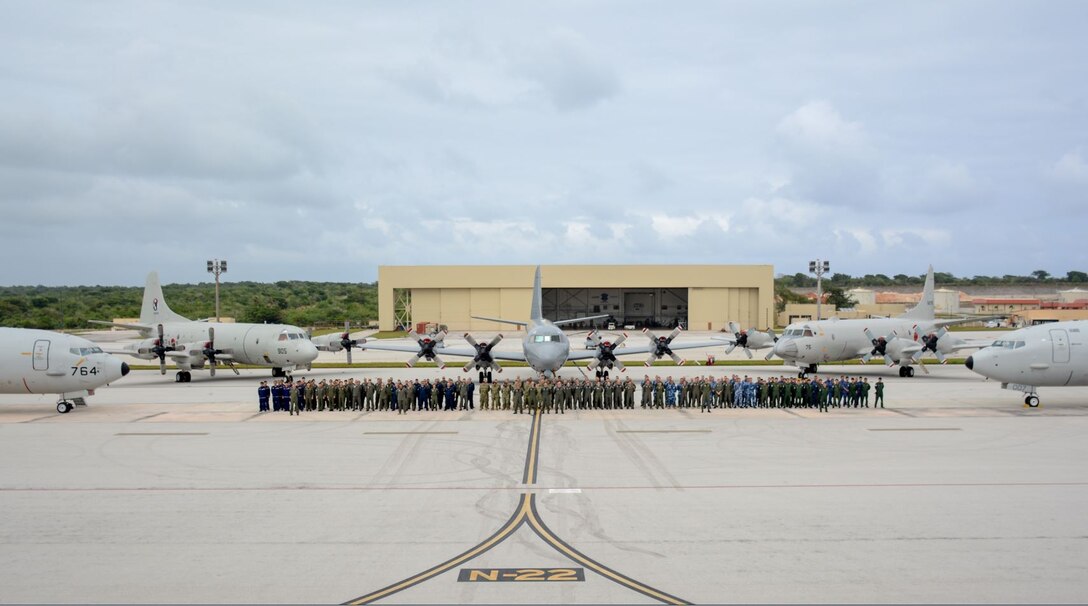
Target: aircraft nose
[[124, 369], [785, 349], [969, 363], [309, 352]]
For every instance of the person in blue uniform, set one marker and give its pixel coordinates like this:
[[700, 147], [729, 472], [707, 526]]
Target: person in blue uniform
[[263, 393]]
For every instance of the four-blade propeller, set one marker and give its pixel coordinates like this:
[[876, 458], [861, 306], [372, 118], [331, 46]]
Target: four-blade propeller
[[661, 347]]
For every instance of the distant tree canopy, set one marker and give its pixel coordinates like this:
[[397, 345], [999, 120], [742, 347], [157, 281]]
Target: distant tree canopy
[[303, 304], [802, 280]]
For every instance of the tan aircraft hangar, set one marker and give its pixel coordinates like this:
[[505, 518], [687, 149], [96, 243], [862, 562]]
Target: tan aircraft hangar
[[700, 297]]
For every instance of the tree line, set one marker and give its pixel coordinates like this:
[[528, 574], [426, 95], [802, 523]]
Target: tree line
[[291, 302], [800, 280]]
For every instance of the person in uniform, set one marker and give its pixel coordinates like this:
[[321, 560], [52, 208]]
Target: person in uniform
[[865, 392], [879, 388], [292, 397], [516, 393], [263, 394], [485, 396]]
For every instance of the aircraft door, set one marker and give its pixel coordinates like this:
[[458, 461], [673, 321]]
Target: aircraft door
[[41, 354], [1059, 341]]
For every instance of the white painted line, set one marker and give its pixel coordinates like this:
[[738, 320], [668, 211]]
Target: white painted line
[[564, 491]]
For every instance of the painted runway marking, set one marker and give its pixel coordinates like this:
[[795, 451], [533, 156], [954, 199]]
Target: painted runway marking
[[410, 433], [526, 513], [564, 491], [916, 429], [663, 431], [162, 433]]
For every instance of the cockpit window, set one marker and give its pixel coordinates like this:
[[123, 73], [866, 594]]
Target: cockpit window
[[85, 351], [283, 336], [545, 338], [1002, 344], [808, 332]]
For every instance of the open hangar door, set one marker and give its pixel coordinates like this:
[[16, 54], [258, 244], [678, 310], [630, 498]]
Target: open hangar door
[[635, 307]]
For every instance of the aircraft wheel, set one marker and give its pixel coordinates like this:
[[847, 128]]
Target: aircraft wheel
[[481, 377], [605, 374], [910, 371], [63, 407], [187, 377], [902, 371], [489, 379], [180, 377], [801, 375], [1032, 401]]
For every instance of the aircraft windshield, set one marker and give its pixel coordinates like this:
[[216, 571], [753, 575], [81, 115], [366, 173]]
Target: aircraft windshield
[[798, 332], [85, 351], [1002, 344], [545, 338]]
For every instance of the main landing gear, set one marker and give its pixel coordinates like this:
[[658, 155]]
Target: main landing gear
[[810, 369], [906, 371], [64, 406], [602, 374], [486, 377], [183, 376], [1031, 400]]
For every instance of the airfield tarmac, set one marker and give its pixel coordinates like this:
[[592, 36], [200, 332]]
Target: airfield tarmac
[[159, 492]]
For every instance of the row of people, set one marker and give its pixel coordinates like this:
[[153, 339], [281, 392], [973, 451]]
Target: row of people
[[560, 395]]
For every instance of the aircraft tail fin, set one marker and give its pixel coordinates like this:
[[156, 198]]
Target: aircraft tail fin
[[925, 309], [155, 310], [536, 313]]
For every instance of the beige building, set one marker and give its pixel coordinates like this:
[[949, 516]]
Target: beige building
[[701, 297], [799, 312]]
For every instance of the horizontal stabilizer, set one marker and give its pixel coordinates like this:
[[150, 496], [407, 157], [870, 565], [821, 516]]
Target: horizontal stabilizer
[[121, 325], [575, 320], [514, 322]]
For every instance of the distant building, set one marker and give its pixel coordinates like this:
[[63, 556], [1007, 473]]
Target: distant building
[[1005, 306], [863, 296], [946, 301]]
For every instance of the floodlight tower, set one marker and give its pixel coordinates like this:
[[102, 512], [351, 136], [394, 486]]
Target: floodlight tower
[[217, 267], [819, 268]]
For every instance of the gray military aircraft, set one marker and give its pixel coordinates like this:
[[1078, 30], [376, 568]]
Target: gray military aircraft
[[545, 347], [1047, 355], [747, 340], [193, 344], [41, 361], [903, 340]]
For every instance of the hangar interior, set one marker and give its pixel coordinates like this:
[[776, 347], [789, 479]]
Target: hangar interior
[[637, 307]]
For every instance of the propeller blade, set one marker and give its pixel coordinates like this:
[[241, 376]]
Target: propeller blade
[[440, 362], [675, 358], [619, 366], [729, 350], [774, 337], [619, 340], [770, 355], [650, 361], [412, 335], [917, 356], [211, 367], [672, 335], [232, 367], [922, 365], [470, 339], [440, 337], [748, 352], [593, 363], [494, 341], [734, 327], [162, 365], [869, 335], [889, 361], [864, 359], [412, 361], [941, 357], [496, 366], [349, 356], [469, 365]]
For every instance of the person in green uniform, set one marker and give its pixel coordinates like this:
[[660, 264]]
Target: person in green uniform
[[879, 389], [516, 397], [659, 393]]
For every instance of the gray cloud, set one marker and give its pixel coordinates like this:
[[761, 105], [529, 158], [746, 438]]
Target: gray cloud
[[319, 141]]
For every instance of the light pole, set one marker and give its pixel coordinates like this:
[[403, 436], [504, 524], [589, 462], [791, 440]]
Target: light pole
[[217, 267], [819, 268]]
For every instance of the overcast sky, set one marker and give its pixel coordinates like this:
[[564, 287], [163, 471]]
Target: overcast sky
[[318, 140]]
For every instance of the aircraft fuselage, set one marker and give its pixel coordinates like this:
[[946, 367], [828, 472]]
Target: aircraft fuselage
[[41, 361], [546, 347], [275, 345]]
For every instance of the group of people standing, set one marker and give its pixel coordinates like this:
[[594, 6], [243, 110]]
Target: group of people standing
[[559, 395]]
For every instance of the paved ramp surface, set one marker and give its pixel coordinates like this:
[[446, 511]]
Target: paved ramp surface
[[165, 493]]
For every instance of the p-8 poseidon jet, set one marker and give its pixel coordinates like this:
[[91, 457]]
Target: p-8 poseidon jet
[[41, 361], [195, 344], [1047, 355], [545, 346]]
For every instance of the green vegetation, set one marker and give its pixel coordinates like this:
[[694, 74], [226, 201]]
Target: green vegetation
[[305, 304], [1039, 276]]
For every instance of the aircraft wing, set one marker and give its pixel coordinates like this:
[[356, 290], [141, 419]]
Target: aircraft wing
[[643, 349], [954, 321], [122, 325], [446, 351]]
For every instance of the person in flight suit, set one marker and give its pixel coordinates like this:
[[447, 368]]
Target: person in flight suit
[[879, 388], [293, 398], [263, 393]]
